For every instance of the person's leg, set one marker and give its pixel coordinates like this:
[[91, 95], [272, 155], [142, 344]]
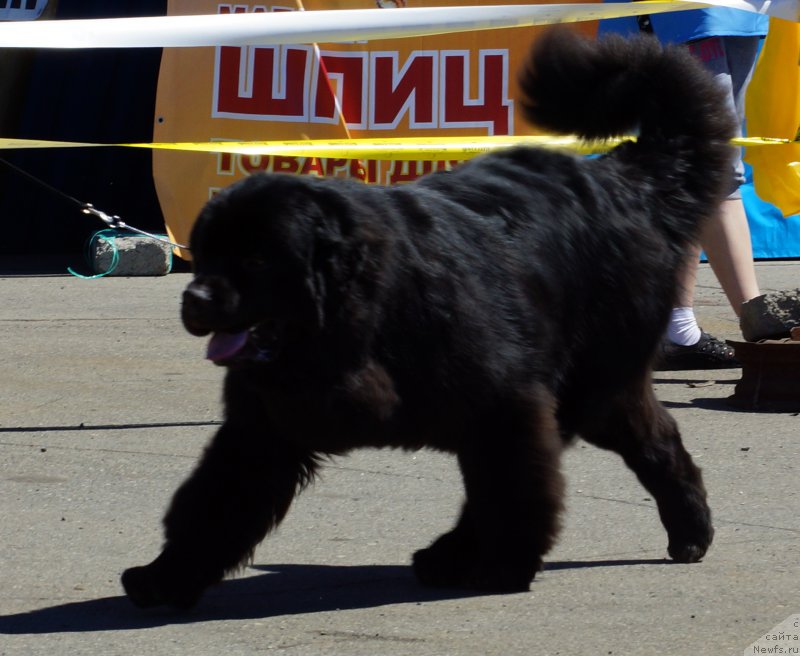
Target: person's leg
[[726, 236], [686, 345], [683, 329], [687, 279], [726, 241]]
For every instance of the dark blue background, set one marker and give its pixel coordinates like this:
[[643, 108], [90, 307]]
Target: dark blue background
[[82, 95]]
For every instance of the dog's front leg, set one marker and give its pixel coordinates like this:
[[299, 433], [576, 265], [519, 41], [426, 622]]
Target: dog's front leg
[[241, 489]]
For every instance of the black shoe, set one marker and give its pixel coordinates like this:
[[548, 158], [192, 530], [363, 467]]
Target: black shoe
[[708, 353]]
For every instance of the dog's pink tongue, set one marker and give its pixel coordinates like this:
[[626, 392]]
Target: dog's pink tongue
[[225, 345]]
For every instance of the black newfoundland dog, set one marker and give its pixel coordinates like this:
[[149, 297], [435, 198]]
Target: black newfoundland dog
[[495, 312]]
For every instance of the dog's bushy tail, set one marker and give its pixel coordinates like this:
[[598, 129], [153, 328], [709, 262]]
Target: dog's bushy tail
[[617, 86]]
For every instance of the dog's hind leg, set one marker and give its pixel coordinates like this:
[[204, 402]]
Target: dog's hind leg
[[639, 428], [514, 488], [241, 489]]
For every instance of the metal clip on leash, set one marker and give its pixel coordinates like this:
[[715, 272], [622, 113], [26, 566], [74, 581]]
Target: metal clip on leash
[[118, 224], [87, 208], [112, 221]]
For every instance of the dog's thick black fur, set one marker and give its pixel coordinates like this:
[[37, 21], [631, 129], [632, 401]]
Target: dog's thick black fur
[[495, 311]]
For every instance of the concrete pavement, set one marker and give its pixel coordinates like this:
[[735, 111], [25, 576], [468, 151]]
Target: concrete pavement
[[105, 403]]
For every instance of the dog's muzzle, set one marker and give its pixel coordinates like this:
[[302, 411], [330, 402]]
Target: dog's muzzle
[[210, 307]]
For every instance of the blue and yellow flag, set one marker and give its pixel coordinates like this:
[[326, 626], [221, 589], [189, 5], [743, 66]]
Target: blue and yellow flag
[[773, 110]]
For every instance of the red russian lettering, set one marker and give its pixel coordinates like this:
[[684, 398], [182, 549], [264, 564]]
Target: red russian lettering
[[225, 164], [402, 171], [282, 164], [492, 108], [410, 90], [340, 76], [357, 170], [240, 9], [261, 82], [372, 171], [335, 166], [447, 165], [313, 166], [250, 164], [232, 9]]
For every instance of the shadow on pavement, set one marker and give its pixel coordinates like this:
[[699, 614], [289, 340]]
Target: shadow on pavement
[[277, 590], [108, 427]]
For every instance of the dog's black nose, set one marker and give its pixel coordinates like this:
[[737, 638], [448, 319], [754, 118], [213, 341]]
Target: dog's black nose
[[198, 309], [198, 292], [193, 310], [209, 304]]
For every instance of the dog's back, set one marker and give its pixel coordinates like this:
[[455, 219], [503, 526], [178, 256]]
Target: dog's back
[[593, 244]]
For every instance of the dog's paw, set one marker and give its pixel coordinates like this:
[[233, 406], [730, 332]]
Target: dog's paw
[[444, 563], [452, 563], [687, 552], [141, 588], [146, 589], [430, 570], [690, 543]]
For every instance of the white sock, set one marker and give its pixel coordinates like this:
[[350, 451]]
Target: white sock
[[683, 328]]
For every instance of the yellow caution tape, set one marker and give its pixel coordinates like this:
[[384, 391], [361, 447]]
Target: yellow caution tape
[[398, 149], [9, 144]]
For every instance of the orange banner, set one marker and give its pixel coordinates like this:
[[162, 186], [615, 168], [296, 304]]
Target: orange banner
[[449, 85]]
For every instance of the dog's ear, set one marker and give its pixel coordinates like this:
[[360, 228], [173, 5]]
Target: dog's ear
[[339, 259], [323, 254]]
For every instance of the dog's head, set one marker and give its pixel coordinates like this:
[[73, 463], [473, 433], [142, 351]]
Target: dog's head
[[273, 257]]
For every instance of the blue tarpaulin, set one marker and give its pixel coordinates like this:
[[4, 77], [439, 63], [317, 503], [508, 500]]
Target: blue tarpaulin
[[773, 235]]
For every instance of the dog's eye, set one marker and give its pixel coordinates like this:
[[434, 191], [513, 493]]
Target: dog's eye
[[254, 263]]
